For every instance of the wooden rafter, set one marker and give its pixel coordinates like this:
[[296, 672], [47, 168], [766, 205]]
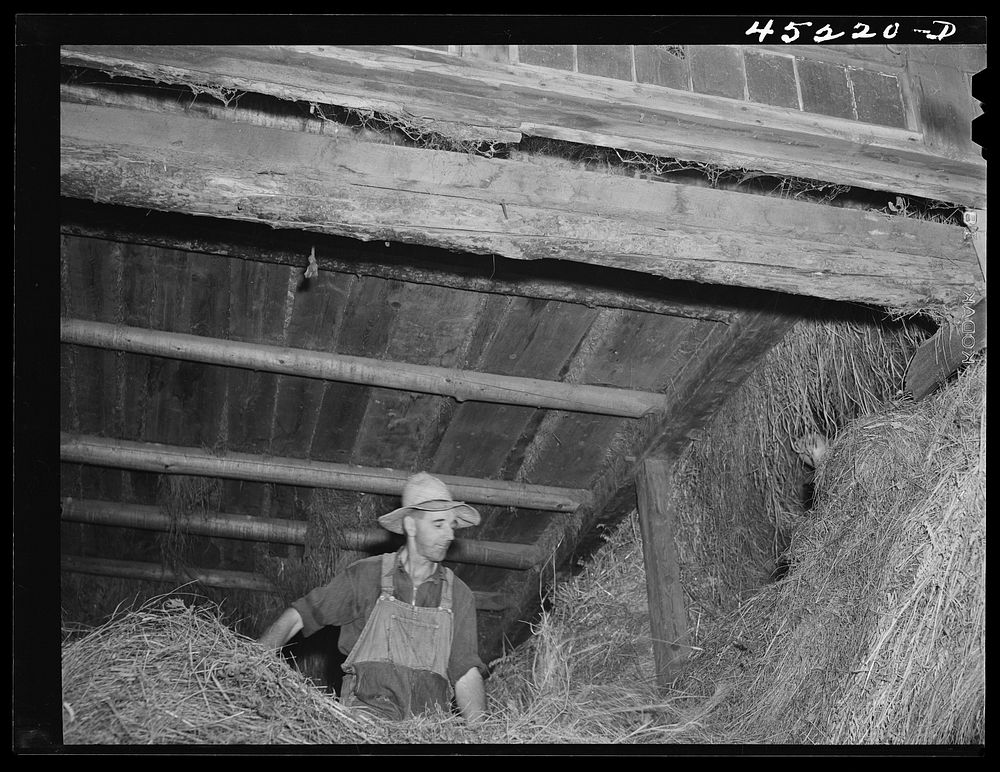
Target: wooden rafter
[[281, 530], [210, 577], [460, 384], [511, 208], [169, 459]]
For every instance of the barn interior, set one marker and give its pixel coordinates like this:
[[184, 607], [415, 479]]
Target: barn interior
[[292, 276]]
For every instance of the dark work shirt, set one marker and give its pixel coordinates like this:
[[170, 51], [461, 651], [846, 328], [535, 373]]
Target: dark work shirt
[[351, 595]]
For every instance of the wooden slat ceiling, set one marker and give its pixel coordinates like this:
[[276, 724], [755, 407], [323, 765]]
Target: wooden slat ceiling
[[136, 397]]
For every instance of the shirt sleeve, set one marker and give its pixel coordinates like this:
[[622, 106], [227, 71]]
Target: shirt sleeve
[[340, 602], [465, 642]]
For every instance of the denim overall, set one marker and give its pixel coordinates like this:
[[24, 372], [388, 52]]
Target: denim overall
[[398, 666]]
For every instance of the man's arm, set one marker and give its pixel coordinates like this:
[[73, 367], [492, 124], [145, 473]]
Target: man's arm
[[282, 630], [470, 695]]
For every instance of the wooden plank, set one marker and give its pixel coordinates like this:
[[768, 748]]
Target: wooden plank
[[951, 347], [154, 572], [534, 338], [102, 451], [461, 384], [91, 281], [432, 326], [637, 350], [208, 292], [470, 98], [506, 207], [657, 522], [371, 307]]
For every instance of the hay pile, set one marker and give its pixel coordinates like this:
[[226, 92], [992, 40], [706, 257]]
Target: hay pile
[[877, 635], [171, 673], [740, 489]]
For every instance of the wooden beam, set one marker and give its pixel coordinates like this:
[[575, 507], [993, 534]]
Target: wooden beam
[[511, 208], [169, 459], [945, 352], [232, 526], [620, 289], [460, 384], [473, 99], [223, 579], [154, 572], [657, 522]]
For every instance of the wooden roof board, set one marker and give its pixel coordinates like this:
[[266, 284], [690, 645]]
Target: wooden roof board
[[535, 338], [432, 325], [319, 305]]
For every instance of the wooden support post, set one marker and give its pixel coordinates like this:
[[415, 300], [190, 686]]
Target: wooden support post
[[667, 617]]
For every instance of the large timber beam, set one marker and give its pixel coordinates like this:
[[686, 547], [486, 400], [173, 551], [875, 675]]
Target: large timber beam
[[403, 262], [516, 209], [460, 384], [469, 98], [171, 459], [233, 526]]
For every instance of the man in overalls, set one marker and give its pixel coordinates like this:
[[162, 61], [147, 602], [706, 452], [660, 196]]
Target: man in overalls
[[408, 624]]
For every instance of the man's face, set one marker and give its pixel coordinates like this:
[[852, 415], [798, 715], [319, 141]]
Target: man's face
[[433, 533]]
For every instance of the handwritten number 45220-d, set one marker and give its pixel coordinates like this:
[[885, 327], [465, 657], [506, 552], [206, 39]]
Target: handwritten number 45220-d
[[861, 31]]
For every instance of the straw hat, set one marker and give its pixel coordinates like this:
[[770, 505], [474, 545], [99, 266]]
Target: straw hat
[[427, 493]]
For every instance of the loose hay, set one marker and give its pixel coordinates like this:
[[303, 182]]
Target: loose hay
[[877, 635], [171, 673]]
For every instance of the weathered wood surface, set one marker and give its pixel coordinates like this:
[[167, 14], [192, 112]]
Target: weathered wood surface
[[400, 264], [643, 350], [247, 527], [157, 457], [225, 579], [404, 376], [473, 99], [512, 208], [951, 347], [730, 352], [657, 523]]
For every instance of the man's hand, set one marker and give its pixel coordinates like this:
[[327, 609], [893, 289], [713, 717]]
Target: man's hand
[[470, 695], [281, 631]]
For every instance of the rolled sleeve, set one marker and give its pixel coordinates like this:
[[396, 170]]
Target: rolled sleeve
[[465, 642], [344, 601]]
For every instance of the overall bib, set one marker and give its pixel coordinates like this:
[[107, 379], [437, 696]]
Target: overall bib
[[399, 665]]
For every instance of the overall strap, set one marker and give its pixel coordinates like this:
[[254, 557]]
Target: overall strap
[[388, 572], [446, 583]]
